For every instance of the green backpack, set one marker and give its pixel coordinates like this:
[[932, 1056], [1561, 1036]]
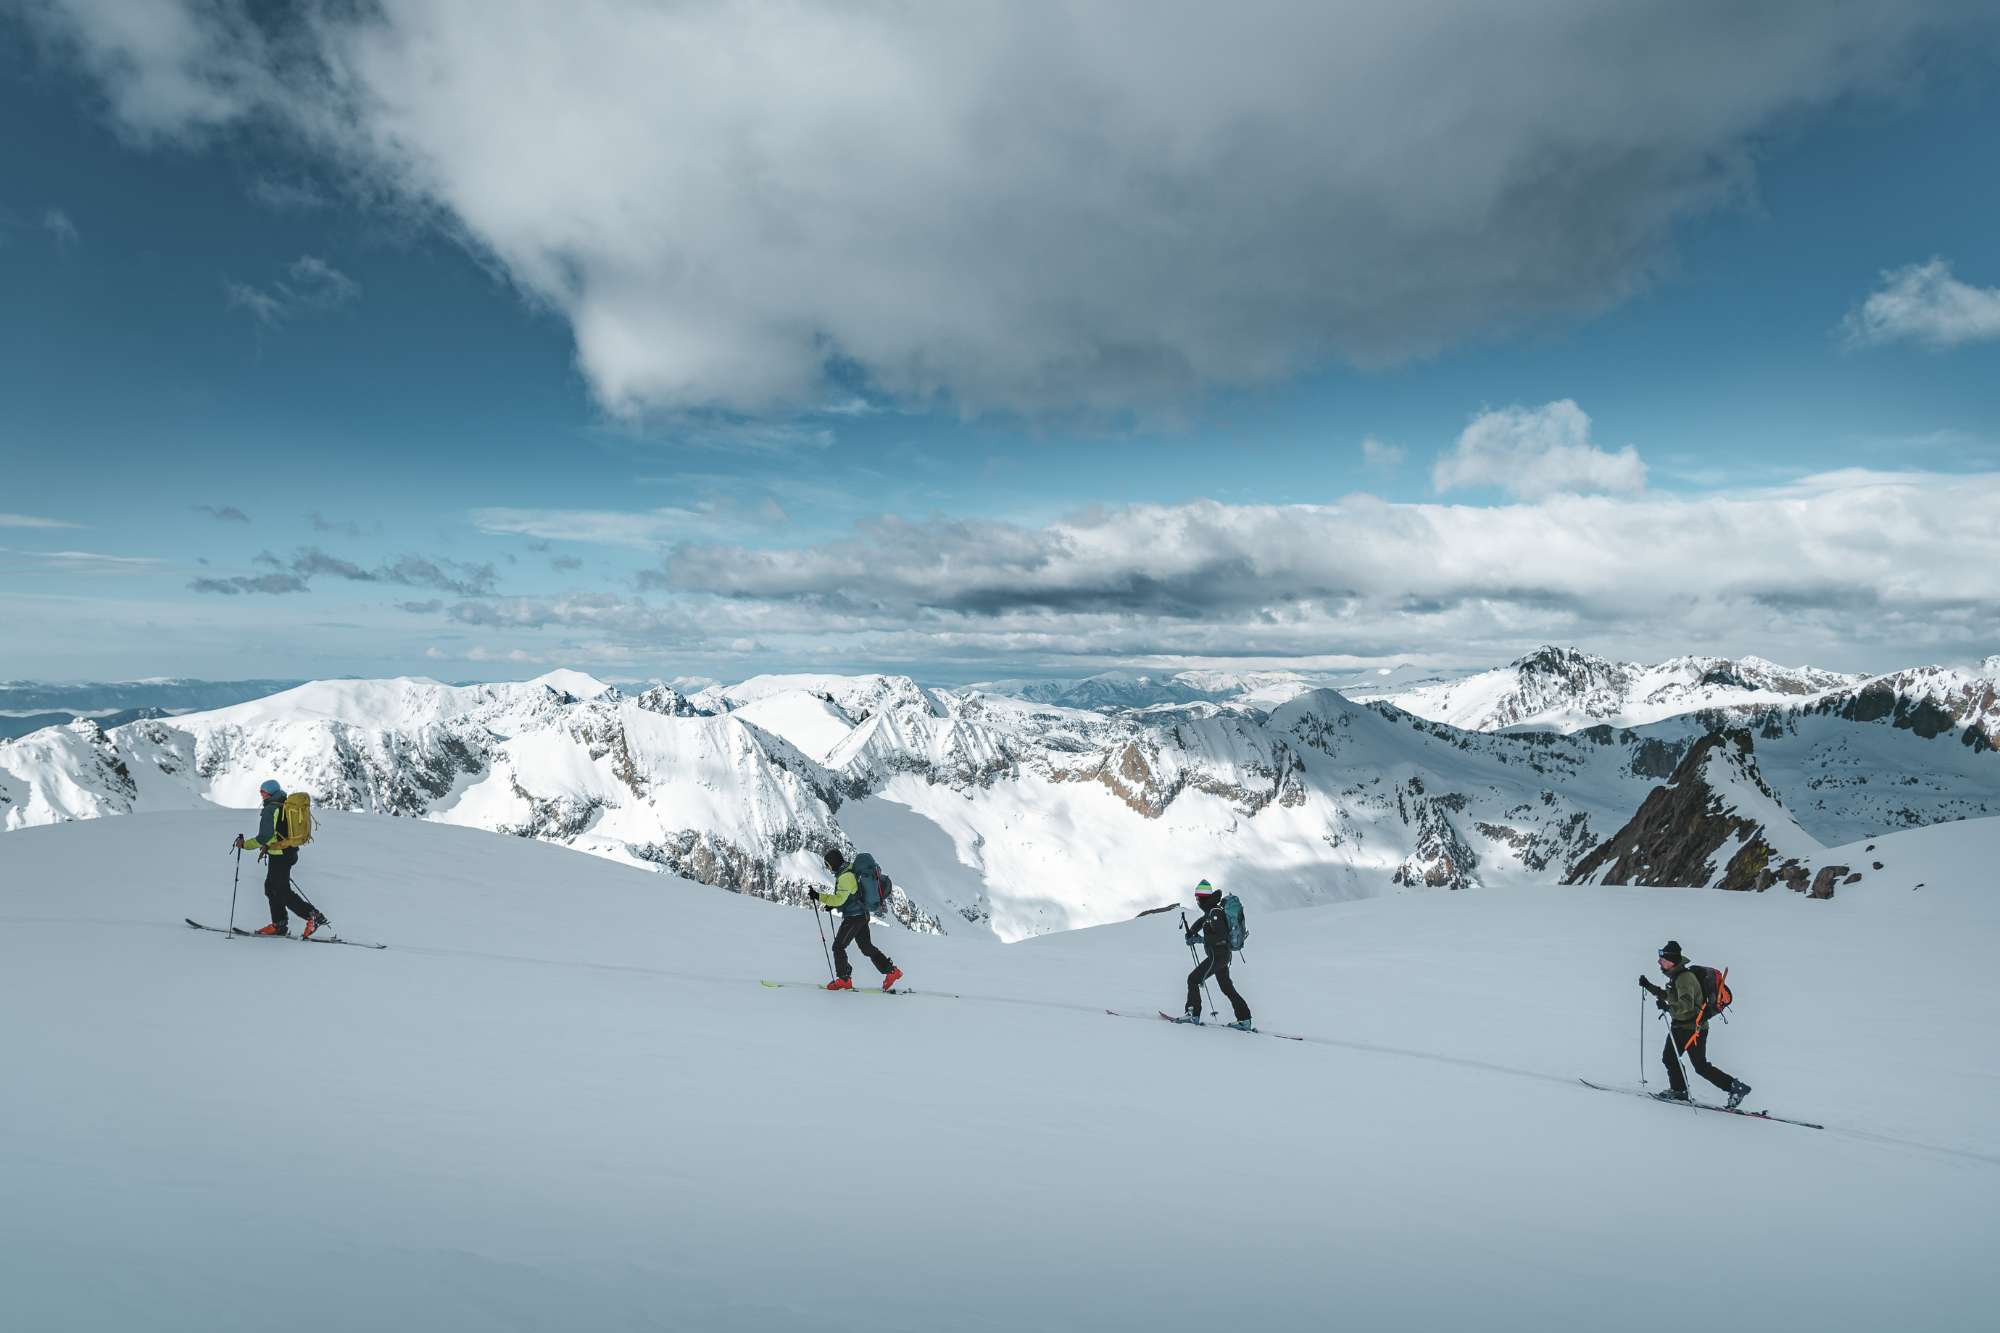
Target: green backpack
[[1239, 930], [874, 884]]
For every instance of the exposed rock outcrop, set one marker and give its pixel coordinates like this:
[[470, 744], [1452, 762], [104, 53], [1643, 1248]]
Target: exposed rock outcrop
[[1715, 823]]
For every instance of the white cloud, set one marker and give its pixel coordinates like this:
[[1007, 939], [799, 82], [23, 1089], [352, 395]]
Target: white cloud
[[1924, 303], [75, 562], [166, 67], [480, 653], [1036, 208], [264, 307], [311, 281], [309, 284], [280, 196], [1531, 452], [57, 224], [715, 506], [1387, 457], [34, 521], [1889, 568], [604, 527], [1833, 565]]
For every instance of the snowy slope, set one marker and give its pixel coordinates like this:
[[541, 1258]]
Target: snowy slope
[[561, 1101], [811, 722]]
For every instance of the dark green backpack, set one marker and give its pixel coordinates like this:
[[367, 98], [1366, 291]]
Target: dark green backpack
[[874, 884], [1239, 930]]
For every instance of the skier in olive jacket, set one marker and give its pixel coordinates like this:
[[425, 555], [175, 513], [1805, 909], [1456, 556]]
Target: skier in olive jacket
[[1686, 1007], [852, 904], [280, 856]]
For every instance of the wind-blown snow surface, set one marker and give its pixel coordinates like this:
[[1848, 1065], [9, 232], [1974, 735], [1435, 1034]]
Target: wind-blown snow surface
[[562, 1101]]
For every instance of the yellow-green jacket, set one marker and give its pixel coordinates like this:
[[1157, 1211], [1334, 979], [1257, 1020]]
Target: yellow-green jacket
[[846, 895]]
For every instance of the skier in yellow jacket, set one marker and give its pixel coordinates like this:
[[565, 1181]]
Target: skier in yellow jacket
[[857, 890], [280, 853]]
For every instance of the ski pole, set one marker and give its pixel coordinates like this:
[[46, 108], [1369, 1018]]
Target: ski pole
[[233, 880], [1212, 1010], [824, 951], [1642, 1039], [1675, 1047]]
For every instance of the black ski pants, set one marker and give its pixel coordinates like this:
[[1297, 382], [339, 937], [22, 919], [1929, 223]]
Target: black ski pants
[[278, 888], [1697, 1054], [1215, 965], [854, 930]]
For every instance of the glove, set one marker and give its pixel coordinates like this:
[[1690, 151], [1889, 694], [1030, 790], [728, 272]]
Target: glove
[[1660, 1004], [239, 842]]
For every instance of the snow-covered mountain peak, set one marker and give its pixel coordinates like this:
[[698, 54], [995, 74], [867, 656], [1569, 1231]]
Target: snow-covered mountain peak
[[1716, 822], [1566, 689], [1317, 706], [859, 697], [574, 683], [1555, 660], [401, 701], [668, 701], [812, 722]]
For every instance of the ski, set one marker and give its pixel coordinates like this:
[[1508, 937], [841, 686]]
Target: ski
[[299, 939], [321, 938], [858, 990], [1705, 1106], [1281, 1036]]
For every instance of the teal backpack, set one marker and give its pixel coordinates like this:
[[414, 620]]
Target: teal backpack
[[874, 884], [1239, 931]]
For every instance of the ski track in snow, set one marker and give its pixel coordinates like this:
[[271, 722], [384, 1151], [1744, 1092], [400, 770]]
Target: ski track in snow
[[1336, 1043]]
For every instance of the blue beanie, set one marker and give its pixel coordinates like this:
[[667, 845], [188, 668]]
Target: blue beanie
[[270, 787]]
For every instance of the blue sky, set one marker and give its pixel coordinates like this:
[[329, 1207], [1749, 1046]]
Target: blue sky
[[282, 401]]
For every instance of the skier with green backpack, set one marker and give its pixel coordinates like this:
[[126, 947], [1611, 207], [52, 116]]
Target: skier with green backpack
[[1221, 931], [858, 890]]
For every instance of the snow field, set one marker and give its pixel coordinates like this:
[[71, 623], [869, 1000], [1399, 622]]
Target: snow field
[[561, 1100]]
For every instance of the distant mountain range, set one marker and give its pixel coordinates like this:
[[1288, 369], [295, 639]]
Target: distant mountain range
[[20, 697], [13, 726], [1552, 688], [998, 813]]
